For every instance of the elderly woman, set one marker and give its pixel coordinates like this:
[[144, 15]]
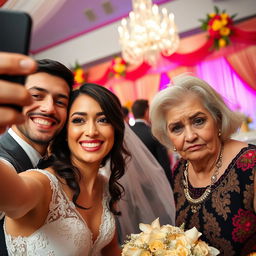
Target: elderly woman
[[214, 180]]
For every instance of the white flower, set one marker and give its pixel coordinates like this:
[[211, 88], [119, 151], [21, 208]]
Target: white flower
[[147, 228], [192, 235], [213, 251]]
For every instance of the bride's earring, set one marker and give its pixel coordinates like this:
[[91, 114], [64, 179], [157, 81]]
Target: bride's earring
[[174, 149], [219, 134]]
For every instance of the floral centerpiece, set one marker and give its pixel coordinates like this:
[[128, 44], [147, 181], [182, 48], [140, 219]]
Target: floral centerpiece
[[166, 240], [219, 26], [118, 67]]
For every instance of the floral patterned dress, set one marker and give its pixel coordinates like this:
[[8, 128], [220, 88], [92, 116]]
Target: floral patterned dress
[[226, 218]]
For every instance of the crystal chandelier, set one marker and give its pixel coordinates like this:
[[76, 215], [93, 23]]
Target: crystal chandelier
[[147, 33]]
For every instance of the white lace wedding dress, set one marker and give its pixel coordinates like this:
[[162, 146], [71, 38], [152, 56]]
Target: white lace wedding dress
[[64, 233]]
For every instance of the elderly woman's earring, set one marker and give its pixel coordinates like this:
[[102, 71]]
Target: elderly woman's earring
[[174, 149], [219, 134]]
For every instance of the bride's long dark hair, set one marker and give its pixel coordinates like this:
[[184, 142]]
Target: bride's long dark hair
[[59, 158]]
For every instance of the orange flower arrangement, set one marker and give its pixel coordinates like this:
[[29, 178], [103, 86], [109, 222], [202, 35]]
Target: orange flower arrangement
[[79, 75], [118, 67], [219, 26]]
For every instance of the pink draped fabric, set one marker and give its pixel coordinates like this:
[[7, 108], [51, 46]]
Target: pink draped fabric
[[188, 54], [147, 86], [123, 88], [239, 88], [128, 91], [244, 64], [180, 70], [223, 79], [192, 58]]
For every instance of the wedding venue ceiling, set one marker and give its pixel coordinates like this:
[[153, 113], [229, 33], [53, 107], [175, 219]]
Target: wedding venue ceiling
[[57, 21], [86, 30]]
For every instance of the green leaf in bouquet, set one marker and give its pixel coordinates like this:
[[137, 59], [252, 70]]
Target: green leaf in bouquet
[[182, 226], [216, 9], [202, 20], [233, 16]]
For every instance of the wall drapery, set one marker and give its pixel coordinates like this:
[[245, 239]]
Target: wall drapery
[[144, 81], [244, 64], [188, 54]]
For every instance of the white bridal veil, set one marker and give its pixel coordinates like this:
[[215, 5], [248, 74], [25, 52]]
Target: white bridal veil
[[148, 194]]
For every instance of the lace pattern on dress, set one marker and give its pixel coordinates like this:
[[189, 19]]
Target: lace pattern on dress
[[107, 227], [71, 228], [18, 245]]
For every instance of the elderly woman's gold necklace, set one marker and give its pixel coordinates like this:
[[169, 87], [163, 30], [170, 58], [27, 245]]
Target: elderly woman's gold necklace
[[197, 201]]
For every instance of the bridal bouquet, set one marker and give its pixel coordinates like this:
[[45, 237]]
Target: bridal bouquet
[[166, 240]]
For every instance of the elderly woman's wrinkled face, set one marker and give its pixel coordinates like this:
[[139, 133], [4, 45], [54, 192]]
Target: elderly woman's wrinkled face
[[192, 130]]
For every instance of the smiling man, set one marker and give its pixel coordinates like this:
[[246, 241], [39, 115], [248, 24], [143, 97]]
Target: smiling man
[[25, 144]]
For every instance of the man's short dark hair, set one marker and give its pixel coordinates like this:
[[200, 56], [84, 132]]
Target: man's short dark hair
[[55, 68], [139, 108], [125, 111]]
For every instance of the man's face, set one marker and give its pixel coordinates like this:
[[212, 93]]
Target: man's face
[[47, 115]]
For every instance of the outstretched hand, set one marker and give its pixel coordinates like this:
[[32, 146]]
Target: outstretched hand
[[11, 93]]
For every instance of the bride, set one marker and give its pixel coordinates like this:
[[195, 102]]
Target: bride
[[69, 207]]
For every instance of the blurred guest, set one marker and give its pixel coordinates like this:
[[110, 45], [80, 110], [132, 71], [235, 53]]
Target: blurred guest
[[125, 111], [140, 110], [214, 181]]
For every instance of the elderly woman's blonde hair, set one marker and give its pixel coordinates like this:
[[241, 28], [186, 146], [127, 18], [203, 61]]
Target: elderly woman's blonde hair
[[184, 86]]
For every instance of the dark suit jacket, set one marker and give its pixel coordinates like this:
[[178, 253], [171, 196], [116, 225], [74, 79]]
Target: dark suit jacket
[[13, 153], [143, 131]]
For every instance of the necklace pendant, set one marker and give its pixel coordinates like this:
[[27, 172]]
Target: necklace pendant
[[195, 208], [214, 178]]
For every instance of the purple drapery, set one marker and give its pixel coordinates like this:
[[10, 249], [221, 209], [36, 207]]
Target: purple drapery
[[223, 79]]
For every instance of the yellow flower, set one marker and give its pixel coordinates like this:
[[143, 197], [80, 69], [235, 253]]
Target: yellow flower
[[217, 25], [201, 249], [119, 68], [170, 253], [171, 237], [181, 242], [79, 76], [224, 15], [182, 251], [224, 22], [145, 253], [156, 245], [118, 60], [224, 31], [132, 251], [211, 15], [222, 42]]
